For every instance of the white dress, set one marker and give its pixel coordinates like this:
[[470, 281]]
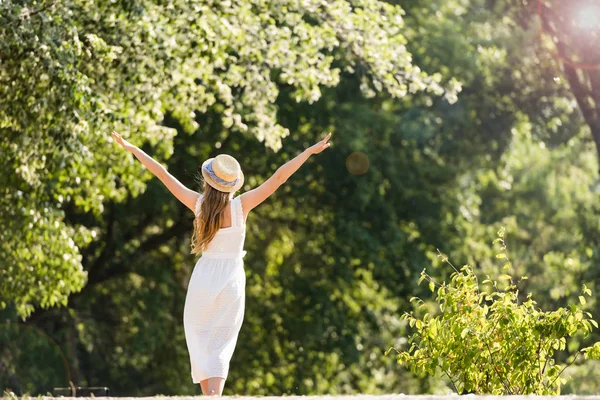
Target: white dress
[[215, 300]]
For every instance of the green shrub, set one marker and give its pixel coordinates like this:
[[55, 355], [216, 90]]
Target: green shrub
[[488, 338]]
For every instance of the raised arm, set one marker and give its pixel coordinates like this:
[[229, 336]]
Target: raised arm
[[256, 196], [182, 193]]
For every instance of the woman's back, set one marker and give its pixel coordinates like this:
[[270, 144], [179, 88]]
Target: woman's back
[[228, 241], [215, 301]]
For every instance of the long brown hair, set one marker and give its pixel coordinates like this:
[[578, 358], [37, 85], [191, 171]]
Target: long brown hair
[[210, 219]]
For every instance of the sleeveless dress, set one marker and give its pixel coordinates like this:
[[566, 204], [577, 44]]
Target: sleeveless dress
[[215, 300]]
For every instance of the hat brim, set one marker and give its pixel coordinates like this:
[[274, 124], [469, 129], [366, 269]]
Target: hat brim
[[216, 185]]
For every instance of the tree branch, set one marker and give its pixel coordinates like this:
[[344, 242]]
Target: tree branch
[[32, 13], [451, 381], [121, 268], [565, 367]]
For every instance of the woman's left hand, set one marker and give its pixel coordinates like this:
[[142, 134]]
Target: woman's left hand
[[320, 146]]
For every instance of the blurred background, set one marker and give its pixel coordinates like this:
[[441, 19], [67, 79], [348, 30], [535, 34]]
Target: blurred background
[[450, 119]]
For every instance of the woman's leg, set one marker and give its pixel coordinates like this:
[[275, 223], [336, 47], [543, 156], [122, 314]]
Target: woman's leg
[[204, 386], [214, 386]]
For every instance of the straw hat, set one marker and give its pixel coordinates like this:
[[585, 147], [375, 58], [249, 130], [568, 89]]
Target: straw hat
[[223, 173]]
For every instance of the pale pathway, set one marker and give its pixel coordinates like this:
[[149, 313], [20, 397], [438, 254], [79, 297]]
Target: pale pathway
[[350, 397]]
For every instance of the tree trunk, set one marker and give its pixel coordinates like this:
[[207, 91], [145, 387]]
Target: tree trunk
[[583, 75]]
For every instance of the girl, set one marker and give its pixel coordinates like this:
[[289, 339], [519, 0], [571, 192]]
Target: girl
[[215, 300]]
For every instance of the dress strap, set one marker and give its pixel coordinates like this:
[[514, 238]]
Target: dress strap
[[237, 214], [198, 203], [233, 213]]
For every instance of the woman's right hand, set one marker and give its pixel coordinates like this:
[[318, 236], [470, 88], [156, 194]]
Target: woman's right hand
[[124, 143], [320, 146]]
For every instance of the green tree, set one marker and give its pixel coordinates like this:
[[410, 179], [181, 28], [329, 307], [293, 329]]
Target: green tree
[[72, 70]]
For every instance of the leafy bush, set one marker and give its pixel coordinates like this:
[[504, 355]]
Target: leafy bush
[[496, 340]]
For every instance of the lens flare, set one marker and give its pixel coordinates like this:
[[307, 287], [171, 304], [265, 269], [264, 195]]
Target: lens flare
[[587, 18], [357, 163], [576, 26]]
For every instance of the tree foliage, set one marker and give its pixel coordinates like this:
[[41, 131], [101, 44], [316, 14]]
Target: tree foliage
[[73, 70]]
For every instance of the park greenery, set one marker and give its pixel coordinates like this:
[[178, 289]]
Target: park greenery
[[451, 119]]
